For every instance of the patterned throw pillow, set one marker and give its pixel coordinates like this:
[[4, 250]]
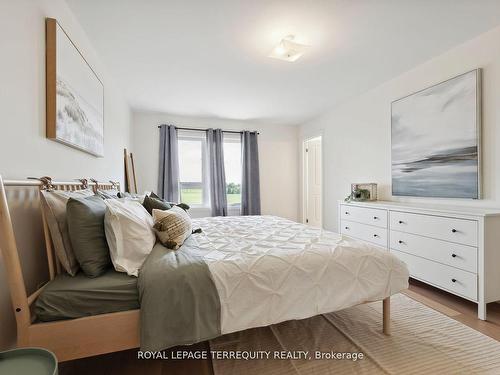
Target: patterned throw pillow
[[172, 227]]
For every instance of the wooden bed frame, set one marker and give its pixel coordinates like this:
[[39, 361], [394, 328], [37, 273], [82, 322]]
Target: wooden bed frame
[[72, 338]]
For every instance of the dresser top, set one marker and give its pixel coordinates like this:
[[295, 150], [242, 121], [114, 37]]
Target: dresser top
[[436, 208]]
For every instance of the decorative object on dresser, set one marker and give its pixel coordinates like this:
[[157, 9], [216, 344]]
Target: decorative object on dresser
[[362, 192], [75, 95], [452, 248], [436, 140]]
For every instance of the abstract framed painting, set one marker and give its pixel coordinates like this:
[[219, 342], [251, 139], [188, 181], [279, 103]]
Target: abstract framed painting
[[436, 140], [75, 94]]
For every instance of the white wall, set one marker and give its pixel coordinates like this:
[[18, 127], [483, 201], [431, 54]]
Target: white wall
[[278, 157], [356, 134], [24, 150]]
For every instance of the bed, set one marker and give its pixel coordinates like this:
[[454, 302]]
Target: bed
[[238, 273]]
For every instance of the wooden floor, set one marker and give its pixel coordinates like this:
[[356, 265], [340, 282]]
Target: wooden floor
[[126, 362]]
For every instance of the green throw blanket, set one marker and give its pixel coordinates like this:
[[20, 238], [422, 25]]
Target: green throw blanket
[[179, 301]]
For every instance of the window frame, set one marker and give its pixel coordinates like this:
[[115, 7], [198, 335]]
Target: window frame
[[193, 135], [196, 135], [233, 138]]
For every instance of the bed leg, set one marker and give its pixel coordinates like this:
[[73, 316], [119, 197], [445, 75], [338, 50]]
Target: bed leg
[[386, 316]]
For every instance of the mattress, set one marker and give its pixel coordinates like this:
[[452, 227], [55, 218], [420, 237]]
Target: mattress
[[69, 297], [268, 270]]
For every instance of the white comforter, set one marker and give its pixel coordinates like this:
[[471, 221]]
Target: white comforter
[[267, 270]]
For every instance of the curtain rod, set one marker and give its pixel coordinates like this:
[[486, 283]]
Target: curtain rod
[[204, 130]]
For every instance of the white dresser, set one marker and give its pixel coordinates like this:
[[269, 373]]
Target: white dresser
[[456, 249]]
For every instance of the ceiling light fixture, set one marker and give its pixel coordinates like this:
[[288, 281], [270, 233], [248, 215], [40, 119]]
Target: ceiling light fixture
[[288, 50]]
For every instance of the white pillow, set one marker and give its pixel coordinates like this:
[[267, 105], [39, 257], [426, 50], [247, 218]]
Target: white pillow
[[129, 232]]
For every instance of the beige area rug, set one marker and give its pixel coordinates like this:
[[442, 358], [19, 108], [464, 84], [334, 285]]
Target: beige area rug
[[423, 341]]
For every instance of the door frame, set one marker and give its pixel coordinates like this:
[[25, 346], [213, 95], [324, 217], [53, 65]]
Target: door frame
[[304, 140]]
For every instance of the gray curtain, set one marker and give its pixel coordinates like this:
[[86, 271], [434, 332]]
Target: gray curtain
[[250, 184], [168, 175], [218, 197]]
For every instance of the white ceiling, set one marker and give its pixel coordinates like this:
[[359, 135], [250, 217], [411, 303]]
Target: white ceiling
[[209, 57]]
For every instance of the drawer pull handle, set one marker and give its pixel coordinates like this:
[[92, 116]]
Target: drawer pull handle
[[375, 218], [400, 221], [454, 231], [454, 255], [347, 212], [375, 235], [454, 280], [401, 242], [347, 228]]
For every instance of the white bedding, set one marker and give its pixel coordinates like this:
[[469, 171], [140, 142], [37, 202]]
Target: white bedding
[[267, 270]]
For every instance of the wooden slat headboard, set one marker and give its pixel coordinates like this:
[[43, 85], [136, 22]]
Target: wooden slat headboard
[[19, 296]]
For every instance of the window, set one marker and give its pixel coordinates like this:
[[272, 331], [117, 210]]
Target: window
[[232, 166], [193, 168]]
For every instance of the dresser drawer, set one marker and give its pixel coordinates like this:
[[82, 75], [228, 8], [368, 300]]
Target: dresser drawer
[[364, 232], [452, 279], [442, 228], [459, 256], [371, 216]]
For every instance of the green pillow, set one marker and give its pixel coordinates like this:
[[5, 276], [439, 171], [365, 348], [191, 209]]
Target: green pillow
[[184, 206], [85, 217], [150, 203], [153, 195]]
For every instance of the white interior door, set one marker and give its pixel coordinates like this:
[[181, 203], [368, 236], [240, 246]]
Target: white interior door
[[312, 182]]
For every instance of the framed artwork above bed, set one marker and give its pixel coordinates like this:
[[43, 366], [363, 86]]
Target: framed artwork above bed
[[436, 140], [74, 94]]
